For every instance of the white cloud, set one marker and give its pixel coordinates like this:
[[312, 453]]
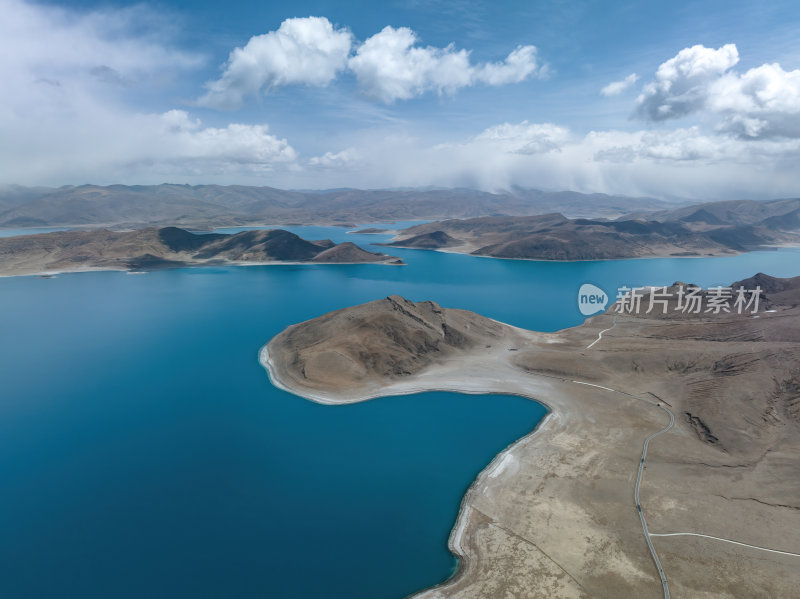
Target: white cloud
[[52, 46], [306, 51], [761, 103], [680, 85], [390, 66], [615, 88], [348, 157], [517, 67], [525, 137], [186, 141], [663, 146], [63, 117], [685, 163]]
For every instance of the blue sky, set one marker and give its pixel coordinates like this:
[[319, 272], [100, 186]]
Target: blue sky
[[694, 100]]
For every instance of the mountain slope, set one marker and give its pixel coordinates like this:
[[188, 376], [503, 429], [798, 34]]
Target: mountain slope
[[208, 206], [392, 337], [166, 247], [709, 229], [732, 212]]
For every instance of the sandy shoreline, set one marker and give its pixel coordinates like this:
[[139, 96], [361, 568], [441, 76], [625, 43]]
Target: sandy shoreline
[[52, 273], [467, 251]]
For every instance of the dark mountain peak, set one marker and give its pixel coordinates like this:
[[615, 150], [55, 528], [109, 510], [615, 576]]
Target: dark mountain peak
[[702, 216], [151, 248], [768, 283], [433, 240], [181, 240], [775, 291]]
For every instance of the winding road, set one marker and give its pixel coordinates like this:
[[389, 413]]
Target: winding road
[[600, 334], [647, 534]]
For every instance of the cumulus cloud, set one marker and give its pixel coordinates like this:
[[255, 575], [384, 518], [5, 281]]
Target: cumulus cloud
[[680, 86], [63, 116], [518, 66], [760, 103], [309, 51], [615, 88], [390, 66], [185, 140], [109, 145]]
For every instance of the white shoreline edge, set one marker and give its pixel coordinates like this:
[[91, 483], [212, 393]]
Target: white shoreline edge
[[466, 252], [52, 273], [454, 541]]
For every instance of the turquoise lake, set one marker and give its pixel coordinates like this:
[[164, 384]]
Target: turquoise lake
[[144, 453]]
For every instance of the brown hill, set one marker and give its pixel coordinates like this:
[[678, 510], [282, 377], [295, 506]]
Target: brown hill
[[145, 249], [387, 338], [428, 241], [730, 212], [780, 292], [692, 232], [348, 252]]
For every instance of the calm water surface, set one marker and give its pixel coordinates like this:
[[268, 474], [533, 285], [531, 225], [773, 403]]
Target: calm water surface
[[143, 452]]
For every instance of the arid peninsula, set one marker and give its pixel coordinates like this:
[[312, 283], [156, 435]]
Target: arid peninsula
[[713, 398]]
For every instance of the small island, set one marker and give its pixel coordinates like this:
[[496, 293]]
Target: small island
[[670, 454], [169, 247]]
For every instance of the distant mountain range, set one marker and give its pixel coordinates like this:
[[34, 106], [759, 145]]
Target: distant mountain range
[[521, 223], [147, 249], [209, 206], [709, 229], [772, 213]]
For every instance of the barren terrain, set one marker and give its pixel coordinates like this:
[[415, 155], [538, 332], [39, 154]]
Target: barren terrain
[[555, 515], [710, 229], [168, 247]]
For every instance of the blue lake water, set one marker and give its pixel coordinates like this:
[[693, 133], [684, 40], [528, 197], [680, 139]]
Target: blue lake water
[[143, 452], [29, 231]]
